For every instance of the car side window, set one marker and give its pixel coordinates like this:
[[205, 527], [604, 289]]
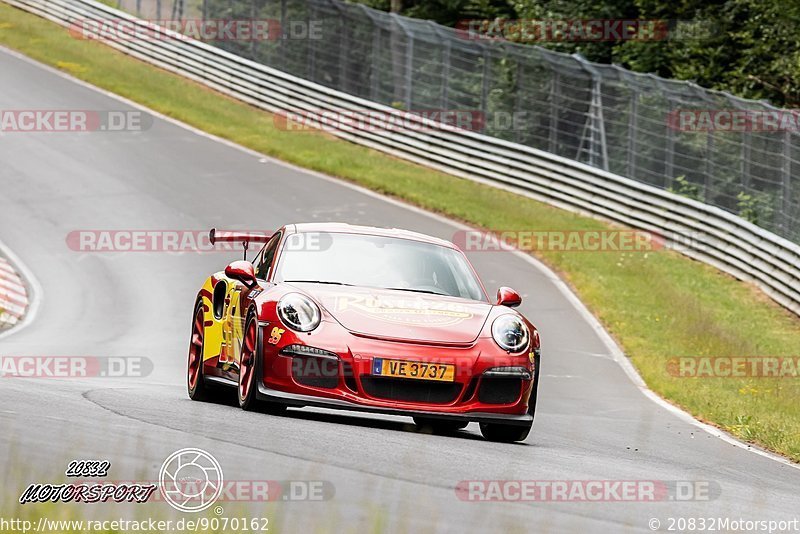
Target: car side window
[[267, 255]]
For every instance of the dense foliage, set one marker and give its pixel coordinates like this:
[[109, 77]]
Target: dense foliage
[[752, 48]]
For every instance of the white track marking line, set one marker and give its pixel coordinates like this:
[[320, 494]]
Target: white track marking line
[[565, 290]]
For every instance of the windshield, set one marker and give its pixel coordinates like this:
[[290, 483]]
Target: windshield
[[377, 261]]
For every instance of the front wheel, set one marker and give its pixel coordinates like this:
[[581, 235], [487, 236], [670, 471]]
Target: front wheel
[[440, 426], [250, 370], [505, 433]]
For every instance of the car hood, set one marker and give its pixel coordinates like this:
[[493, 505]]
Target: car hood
[[402, 315]]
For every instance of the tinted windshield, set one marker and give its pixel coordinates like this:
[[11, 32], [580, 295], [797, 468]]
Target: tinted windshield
[[376, 261]]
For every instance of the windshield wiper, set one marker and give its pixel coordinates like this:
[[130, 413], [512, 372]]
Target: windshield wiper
[[318, 282], [330, 282], [418, 291]]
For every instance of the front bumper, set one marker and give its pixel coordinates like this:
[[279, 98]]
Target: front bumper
[[294, 399], [476, 394]]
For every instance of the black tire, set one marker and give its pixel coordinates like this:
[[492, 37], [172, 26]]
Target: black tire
[[440, 426], [511, 433], [196, 385], [272, 408], [505, 433]]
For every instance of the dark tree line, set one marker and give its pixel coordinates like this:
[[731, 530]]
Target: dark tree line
[[749, 47]]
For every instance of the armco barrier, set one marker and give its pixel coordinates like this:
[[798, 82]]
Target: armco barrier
[[703, 232]]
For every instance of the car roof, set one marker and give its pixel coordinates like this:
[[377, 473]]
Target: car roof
[[345, 228]]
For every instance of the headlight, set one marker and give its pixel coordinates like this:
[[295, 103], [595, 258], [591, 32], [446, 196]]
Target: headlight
[[298, 312], [510, 333]]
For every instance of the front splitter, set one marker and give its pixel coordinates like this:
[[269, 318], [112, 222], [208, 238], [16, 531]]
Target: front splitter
[[294, 399]]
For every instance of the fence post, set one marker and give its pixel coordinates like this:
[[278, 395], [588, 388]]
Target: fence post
[[282, 35], [253, 15], [597, 93], [746, 149], [375, 73], [444, 98], [669, 152], [485, 84], [786, 185], [597, 131], [633, 133], [553, 141], [409, 69], [709, 167], [400, 75], [344, 52], [517, 103], [311, 9]]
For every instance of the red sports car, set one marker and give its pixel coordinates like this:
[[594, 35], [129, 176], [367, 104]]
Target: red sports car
[[369, 319]]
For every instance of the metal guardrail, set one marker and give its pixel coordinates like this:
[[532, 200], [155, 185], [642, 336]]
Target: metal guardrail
[[698, 230], [671, 134]]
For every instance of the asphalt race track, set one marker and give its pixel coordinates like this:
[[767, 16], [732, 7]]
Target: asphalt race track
[[592, 422]]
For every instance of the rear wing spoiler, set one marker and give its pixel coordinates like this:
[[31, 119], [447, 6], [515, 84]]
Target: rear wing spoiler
[[245, 238]]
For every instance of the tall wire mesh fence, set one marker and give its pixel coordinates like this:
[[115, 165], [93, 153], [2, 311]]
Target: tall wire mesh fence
[[602, 115]]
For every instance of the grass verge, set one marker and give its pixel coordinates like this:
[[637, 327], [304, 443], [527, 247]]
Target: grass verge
[[658, 305]]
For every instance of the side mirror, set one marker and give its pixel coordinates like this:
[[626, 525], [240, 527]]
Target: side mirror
[[242, 271], [508, 297]]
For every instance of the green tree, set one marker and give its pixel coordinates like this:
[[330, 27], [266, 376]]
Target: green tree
[[748, 47]]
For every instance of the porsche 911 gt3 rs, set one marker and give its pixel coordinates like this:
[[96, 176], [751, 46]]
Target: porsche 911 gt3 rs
[[367, 319]]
